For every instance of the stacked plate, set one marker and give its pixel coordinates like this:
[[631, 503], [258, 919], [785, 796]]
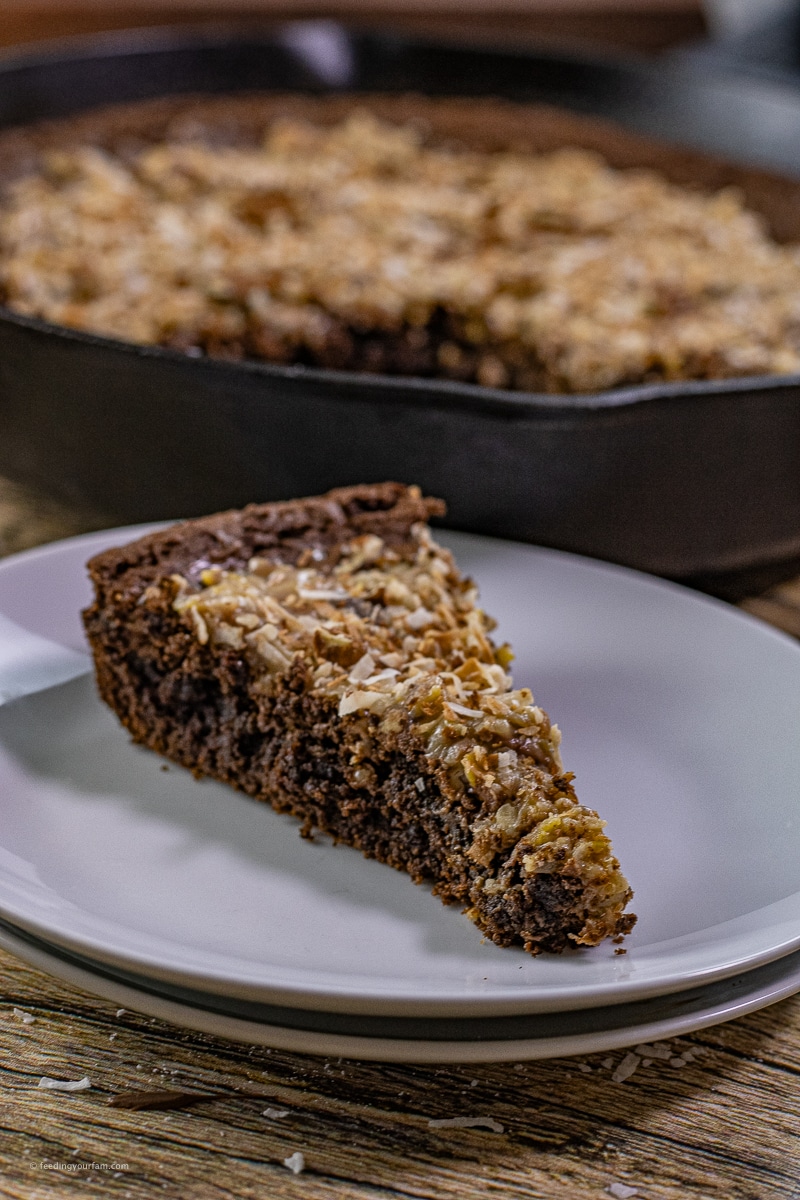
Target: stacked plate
[[188, 901]]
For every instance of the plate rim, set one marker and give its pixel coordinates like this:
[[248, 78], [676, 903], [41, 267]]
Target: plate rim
[[413, 1051]]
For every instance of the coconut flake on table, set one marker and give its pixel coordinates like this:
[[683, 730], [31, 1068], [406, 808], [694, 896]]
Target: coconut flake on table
[[65, 1085], [621, 1191], [295, 1162], [276, 1114], [626, 1068], [26, 1017], [466, 1123], [654, 1050]]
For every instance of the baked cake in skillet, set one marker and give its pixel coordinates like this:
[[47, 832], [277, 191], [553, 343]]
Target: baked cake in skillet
[[473, 240], [326, 656]]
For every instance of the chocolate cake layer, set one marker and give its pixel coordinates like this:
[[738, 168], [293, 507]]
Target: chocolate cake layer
[[326, 656]]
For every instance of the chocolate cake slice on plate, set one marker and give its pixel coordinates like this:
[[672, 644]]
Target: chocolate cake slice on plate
[[325, 655]]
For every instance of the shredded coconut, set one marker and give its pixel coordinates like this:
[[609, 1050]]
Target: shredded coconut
[[656, 1050], [420, 618], [363, 668], [295, 1162], [318, 594], [65, 1085], [276, 1114], [26, 1017], [359, 701], [463, 711], [467, 1123], [626, 1068], [621, 1191]]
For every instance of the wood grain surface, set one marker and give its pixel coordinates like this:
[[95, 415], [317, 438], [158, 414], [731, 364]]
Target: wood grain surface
[[712, 1116], [724, 1125]]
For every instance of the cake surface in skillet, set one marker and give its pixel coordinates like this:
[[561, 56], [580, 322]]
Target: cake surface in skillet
[[376, 238], [326, 656]]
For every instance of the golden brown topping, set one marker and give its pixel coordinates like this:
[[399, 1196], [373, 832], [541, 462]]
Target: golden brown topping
[[400, 645], [554, 271], [375, 631]]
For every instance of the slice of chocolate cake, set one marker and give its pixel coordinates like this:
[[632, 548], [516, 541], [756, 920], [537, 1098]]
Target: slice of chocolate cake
[[325, 655]]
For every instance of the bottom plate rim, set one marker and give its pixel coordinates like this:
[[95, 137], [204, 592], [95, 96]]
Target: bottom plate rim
[[782, 981]]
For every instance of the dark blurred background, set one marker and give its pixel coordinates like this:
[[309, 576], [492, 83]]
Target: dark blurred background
[[759, 36], [643, 26]]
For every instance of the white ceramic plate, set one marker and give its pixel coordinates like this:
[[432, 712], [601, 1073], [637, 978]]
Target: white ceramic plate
[[680, 718], [420, 1040]]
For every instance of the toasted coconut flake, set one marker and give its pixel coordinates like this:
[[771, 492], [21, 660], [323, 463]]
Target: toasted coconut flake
[[463, 711], [65, 1085], [295, 1162], [420, 618], [626, 1068], [358, 701], [362, 669], [467, 1123]]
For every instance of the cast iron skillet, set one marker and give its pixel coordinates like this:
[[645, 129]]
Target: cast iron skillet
[[680, 479]]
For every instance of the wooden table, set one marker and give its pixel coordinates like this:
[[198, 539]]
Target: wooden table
[[717, 1119]]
